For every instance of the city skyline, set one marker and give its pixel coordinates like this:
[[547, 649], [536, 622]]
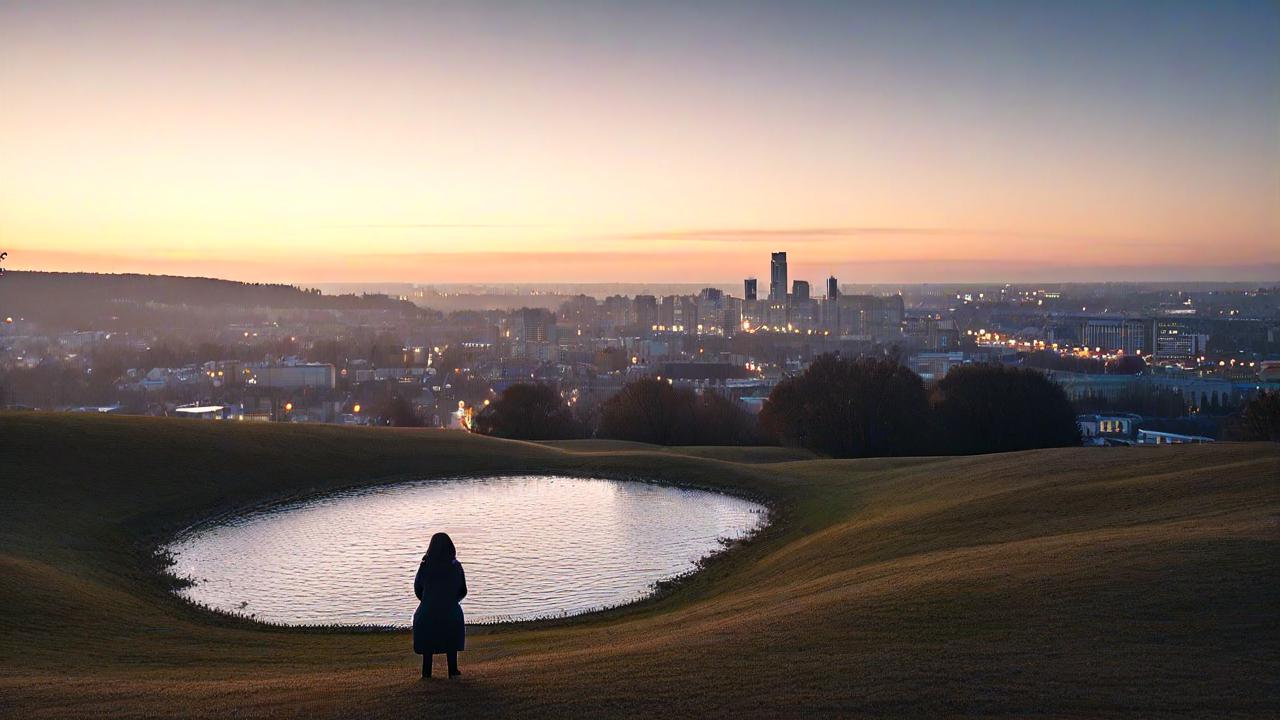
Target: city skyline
[[496, 143]]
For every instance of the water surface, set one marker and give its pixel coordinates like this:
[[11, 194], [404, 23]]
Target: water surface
[[532, 546]]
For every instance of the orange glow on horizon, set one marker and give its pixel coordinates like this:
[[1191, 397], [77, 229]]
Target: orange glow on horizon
[[327, 144]]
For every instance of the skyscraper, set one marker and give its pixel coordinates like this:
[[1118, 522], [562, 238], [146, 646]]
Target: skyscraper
[[778, 278], [799, 292], [833, 288], [749, 289]]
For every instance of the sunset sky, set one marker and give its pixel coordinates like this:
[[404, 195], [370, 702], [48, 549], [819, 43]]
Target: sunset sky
[[642, 141]]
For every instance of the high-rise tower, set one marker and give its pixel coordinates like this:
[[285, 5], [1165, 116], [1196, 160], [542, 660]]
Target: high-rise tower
[[778, 278]]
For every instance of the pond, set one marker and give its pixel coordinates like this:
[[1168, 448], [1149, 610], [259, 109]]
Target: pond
[[533, 547]]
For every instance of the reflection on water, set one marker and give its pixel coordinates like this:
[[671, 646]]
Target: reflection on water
[[532, 546]]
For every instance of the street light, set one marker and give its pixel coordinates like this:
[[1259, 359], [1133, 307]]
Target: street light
[[356, 409]]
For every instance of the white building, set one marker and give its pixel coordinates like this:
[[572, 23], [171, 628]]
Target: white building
[[1152, 437], [202, 412], [1095, 429]]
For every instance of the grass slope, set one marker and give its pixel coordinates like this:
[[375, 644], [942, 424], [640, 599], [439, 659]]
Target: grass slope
[[1055, 583]]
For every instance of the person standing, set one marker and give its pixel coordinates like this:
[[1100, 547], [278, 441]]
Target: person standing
[[438, 625]]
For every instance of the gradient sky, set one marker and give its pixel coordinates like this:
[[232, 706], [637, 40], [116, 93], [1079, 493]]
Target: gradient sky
[[642, 141]]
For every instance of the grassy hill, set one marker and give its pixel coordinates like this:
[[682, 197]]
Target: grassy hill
[[1055, 583]]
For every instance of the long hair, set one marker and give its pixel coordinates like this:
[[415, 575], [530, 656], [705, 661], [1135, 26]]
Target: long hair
[[440, 552]]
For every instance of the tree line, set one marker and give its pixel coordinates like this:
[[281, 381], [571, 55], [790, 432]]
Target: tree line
[[869, 407], [841, 407], [647, 410], [838, 406]]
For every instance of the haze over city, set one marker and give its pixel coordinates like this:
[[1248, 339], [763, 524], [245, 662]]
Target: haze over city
[[642, 142]]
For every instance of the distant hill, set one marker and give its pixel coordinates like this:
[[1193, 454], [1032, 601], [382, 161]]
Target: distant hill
[[77, 300]]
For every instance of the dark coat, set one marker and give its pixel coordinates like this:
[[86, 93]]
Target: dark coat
[[437, 623]]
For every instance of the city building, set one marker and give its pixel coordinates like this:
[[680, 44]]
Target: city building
[[291, 377], [778, 278], [711, 311], [935, 365], [872, 316], [530, 328], [532, 325], [617, 312], [802, 310], [1175, 339], [1152, 437], [1128, 335], [1099, 429], [646, 311], [930, 332]]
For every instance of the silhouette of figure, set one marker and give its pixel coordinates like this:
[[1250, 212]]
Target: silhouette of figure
[[437, 623]]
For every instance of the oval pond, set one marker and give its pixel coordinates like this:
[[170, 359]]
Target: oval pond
[[533, 546]]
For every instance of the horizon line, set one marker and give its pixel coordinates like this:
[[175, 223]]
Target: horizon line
[[1275, 280]]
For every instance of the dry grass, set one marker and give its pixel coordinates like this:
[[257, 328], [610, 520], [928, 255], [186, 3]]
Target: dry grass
[[1058, 583]]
